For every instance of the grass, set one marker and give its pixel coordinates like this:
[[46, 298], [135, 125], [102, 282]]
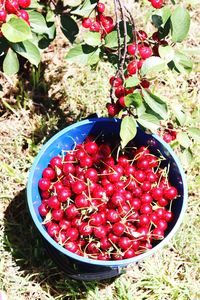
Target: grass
[[31, 112]]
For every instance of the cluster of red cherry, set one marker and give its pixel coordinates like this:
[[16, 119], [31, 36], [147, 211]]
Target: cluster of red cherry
[[138, 52], [103, 24], [103, 206], [14, 7]]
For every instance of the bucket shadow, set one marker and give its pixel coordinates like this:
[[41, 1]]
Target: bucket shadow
[[29, 253]]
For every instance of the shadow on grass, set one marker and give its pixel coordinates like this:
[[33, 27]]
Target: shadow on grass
[[27, 248]]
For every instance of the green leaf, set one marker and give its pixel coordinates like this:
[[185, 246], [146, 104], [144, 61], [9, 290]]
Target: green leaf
[[34, 4], [85, 9], [191, 51], [157, 20], [132, 81], [155, 104], [183, 139], [83, 54], [166, 53], [149, 121], [111, 40], [165, 13], [180, 24], [38, 23], [186, 157], [141, 109], [128, 130], [194, 133], [182, 62], [153, 64], [3, 45], [92, 38], [50, 17], [179, 114], [28, 50], [134, 99], [161, 17], [72, 3], [69, 27], [16, 30], [11, 63]]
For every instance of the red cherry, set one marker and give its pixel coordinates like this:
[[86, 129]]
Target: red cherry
[[116, 81], [71, 211], [72, 234], [100, 7], [85, 229], [105, 244], [161, 224], [158, 234], [118, 228], [157, 3], [142, 35], [124, 243], [78, 187], [103, 256], [139, 64], [155, 36], [71, 246], [24, 3], [64, 224], [3, 15], [119, 91], [53, 229], [49, 173], [64, 194], [56, 161], [96, 219], [107, 28], [168, 216], [132, 67], [129, 253], [57, 214], [100, 231], [145, 52], [170, 193], [86, 22], [146, 209], [121, 102], [136, 203], [112, 109], [145, 84], [12, 6], [167, 137], [144, 220], [112, 216], [95, 26], [44, 184], [157, 193], [91, 147], [132, 49], [53, 202], [43, 210]]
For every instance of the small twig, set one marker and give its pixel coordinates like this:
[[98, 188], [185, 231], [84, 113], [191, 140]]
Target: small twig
[[125, 38], [118, 33]]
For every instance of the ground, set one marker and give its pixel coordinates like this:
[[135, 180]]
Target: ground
[[35, 107]]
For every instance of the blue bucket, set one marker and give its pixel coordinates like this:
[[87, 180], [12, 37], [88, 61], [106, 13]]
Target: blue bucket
[[82, 268]]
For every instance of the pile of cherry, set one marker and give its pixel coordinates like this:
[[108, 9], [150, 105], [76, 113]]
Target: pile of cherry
[[14, 7], [104, 205]]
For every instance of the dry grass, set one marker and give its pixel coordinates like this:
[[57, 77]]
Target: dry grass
[[62, 94]]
